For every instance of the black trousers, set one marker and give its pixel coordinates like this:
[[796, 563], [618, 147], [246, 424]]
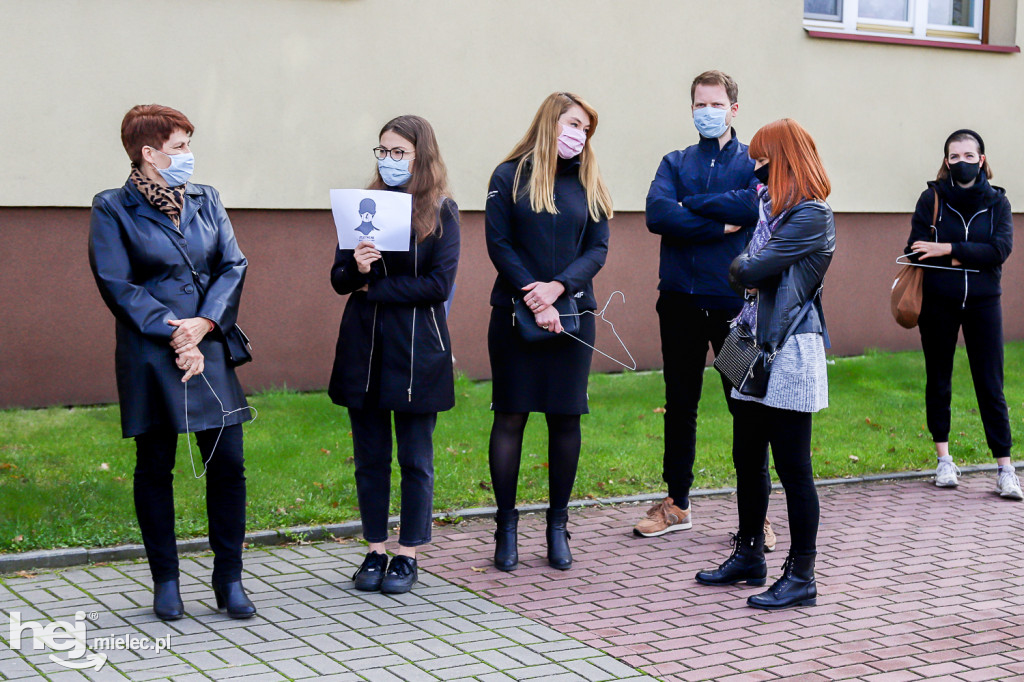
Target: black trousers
[[225, 500], [755, 427], [982, 321], [371, 440], [686, 333]]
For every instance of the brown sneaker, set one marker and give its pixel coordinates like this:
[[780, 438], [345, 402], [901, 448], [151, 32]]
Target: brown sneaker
[[662, 518], [769, 536]]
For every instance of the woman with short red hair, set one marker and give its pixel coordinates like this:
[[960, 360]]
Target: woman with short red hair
[[781, 272], [167, 265]]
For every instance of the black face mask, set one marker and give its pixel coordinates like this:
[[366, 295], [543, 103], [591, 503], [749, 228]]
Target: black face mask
[[762, 174], [964, 172]]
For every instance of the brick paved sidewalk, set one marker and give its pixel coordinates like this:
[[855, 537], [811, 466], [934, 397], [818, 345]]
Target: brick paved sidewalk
[[914, 583], [311, 624]]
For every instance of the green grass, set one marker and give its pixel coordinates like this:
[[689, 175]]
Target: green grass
[[66, 475]]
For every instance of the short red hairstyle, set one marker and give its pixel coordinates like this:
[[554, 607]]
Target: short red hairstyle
[[795, 172], [150, 125]]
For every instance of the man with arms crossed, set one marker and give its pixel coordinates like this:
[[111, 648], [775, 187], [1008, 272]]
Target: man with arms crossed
[[696, 303]]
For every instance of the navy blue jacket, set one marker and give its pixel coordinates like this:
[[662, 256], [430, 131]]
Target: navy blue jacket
[[398, 325], [145, 281], [530, 247], [695, 251], [977, 221]]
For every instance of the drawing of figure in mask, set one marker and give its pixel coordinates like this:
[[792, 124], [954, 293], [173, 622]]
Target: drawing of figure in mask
[[367, 209]]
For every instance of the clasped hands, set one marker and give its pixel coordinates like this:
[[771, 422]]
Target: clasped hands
[[185, 342], [540, 297]]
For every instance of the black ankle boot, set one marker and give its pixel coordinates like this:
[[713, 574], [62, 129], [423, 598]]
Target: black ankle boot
[[231, 596], [506, 552], [167, 600], [796, 587], [559, 555], [746, 564]]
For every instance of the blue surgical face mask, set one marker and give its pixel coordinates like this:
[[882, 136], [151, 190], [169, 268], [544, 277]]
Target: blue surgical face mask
[[180, 170], [394, 173], [710, 121]]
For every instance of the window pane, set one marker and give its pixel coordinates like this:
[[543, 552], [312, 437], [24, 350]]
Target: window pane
[[890, 10], [951, 12], [824, 8]]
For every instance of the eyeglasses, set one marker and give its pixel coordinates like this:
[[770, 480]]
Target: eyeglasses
[[396, 154]]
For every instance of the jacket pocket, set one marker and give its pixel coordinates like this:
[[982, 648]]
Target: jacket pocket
[[437, 328]]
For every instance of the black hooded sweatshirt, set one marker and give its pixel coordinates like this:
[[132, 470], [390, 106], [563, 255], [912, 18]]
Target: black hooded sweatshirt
[[978, 223]]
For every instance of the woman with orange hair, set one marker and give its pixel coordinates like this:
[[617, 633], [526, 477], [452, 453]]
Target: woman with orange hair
[[781, 271], [546, 225]]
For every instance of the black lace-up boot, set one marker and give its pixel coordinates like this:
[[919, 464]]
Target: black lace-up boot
[[796, 587], [506, 551], [746, 564]]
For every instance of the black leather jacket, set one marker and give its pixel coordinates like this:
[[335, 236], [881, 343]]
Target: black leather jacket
[[788, 270]]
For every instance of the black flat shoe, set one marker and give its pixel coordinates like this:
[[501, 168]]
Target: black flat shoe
[[746, 564], [796, 587], [167, 600], [369, 576], [559, 555], [506, 551], [402, 574], [231, 596]]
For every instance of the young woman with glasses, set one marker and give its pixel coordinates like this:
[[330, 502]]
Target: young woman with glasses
[[393, 358]]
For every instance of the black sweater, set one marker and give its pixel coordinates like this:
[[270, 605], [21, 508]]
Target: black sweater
[[530, 247], [978, 223]]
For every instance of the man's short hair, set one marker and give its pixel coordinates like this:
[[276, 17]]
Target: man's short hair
[[715, 77], [367, 205]]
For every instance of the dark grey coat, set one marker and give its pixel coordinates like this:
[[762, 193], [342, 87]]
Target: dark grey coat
[[145, 281]]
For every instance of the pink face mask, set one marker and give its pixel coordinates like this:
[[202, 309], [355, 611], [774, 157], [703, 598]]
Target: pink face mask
[[570, 142]]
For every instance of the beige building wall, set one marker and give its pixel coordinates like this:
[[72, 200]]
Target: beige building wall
[[288, 95]]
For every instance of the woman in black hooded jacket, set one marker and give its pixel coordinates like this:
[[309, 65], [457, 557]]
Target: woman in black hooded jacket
[[971, 237]]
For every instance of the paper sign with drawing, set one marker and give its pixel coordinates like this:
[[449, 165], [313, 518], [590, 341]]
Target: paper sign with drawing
[[384, 218]]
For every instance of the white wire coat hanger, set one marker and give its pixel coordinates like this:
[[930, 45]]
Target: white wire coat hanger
[[223, 418], [601, 316], [923, 265]]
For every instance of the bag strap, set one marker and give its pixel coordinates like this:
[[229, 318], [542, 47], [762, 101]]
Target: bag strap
[[935, 216], [797, 319]]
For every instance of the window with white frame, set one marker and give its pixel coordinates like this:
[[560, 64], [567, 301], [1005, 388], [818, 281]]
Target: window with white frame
[[954, 20]]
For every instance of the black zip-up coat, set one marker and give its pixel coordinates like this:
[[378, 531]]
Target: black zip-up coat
[[978, 223], [400, 321], [530, 247], [145, 281]]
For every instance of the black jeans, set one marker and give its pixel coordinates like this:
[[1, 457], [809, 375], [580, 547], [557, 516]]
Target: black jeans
[[754, 428], [982, 321], [225, 500], [371, 440], [686, 333]]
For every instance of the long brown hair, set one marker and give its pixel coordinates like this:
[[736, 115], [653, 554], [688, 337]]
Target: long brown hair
[[539, 147], [429, 183], [795, 172]]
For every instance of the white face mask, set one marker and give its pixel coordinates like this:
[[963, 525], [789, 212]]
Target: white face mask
[[180, 170], [710, 121]]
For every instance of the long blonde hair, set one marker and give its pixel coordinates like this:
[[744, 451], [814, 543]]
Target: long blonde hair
[[539, 147]]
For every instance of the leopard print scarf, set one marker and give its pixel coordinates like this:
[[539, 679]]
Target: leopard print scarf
[[167, 200]]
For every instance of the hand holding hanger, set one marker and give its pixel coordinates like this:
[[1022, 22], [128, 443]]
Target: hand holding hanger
[[926, 249]]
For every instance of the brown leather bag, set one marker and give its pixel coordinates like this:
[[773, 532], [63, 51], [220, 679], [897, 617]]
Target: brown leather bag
[[907, 288]]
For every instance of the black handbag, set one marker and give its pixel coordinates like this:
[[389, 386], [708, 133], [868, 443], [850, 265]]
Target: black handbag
[[747, 366], [530, 332]]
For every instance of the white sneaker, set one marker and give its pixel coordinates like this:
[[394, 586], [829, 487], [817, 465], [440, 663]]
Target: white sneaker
[[946, 474], [1008, 486]]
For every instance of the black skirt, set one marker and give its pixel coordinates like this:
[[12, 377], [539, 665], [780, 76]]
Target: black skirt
[[547, 376]]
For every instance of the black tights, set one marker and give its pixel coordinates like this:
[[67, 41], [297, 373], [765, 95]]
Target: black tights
[[755, 428], [506, 450]]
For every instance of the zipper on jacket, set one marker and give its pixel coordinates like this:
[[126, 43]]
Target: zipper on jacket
[[412, 342], [373, 337], [436, 328], [967, 234]]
